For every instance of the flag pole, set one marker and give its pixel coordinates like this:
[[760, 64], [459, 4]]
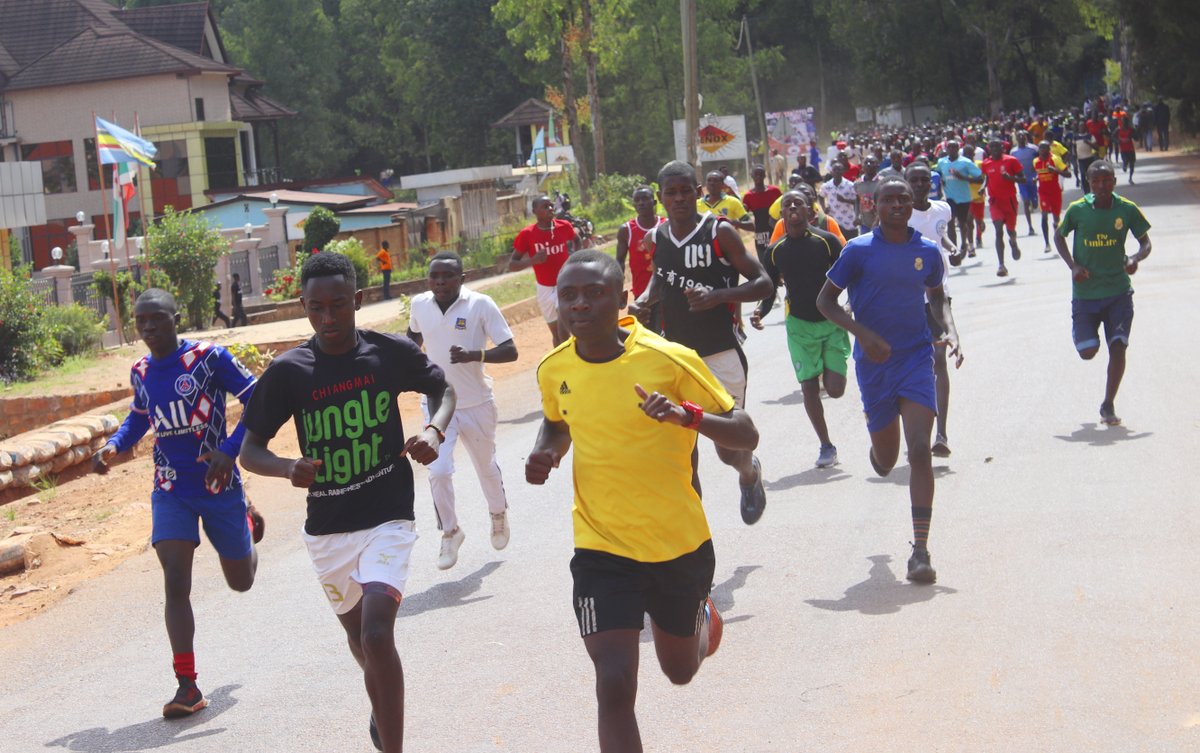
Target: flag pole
[[143, 198], [111, 266], [119, 205]]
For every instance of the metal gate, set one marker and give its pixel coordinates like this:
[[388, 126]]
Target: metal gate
[[239, 264], [268, 262], [45, 289], [84, 294]]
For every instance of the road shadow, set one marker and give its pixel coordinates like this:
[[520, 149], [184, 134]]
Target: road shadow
[[1098, 435], [722, 596], [156, 733], [794, 398], [811, 477], [450, 594], [1002, 283], [529, 417], [880, 593], [900, 475]]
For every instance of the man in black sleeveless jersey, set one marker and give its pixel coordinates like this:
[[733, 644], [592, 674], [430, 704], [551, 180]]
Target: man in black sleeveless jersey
[[697, 261]]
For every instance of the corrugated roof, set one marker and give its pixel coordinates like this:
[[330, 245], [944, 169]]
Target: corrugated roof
[[310, 197], [392, 206]]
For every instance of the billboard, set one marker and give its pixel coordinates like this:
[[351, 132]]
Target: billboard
[[791, 130], [721, 137]]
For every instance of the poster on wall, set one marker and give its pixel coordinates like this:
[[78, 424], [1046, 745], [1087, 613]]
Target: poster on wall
[[791, 131], [721, 137]]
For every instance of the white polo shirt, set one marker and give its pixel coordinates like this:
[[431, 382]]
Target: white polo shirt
[[469, 323], [931, 223]]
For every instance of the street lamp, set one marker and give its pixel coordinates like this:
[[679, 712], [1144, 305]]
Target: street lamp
[[56, 254], [249, 229], [80, 217], [274, 199], [104, 248]]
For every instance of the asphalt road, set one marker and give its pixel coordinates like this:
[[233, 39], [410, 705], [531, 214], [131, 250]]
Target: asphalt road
[[1064, 619]]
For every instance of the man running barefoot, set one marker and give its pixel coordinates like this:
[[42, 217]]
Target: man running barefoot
[[339, 389], [697, 262], [1003, 173], [627, 398], [1100, 270], [179, 392], [819, 349], [889, 272], [932, 218], [1049, 169]]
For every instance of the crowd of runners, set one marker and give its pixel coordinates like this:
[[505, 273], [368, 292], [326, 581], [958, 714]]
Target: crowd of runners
[[636, 373]]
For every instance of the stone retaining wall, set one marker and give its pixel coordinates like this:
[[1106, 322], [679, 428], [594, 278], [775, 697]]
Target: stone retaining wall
[[17, 414]]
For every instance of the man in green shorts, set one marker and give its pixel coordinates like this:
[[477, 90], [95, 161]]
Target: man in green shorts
[[818, 347], [1102, 294]]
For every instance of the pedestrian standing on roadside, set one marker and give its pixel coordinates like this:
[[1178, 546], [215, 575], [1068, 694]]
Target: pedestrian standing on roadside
[[239, 311], [384, 259]]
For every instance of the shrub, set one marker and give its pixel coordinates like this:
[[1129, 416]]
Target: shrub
[[251, 357], [128, 289], [353, 248], [185, 247], [26, 346], [75, 328], [611, 196], [319, 228], [285, 284]]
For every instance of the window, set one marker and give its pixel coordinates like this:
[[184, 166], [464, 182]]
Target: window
[[220, 160], [199, 108], [58, 164]]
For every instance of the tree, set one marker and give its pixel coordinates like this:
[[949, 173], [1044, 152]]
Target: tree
[[319, 229], [184, 246]]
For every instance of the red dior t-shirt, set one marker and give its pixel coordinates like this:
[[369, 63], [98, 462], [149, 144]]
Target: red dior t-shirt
[[555, 242]]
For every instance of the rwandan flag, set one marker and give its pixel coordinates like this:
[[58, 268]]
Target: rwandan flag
[[115, 145]]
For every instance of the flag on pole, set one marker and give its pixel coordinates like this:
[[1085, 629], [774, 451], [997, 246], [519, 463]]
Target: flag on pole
[[123, 192], [117, 145]]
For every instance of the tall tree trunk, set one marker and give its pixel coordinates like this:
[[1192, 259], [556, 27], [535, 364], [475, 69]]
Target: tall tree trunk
[[589, 57], [568, 76], [991, 60], [823, 118], [956, 87]]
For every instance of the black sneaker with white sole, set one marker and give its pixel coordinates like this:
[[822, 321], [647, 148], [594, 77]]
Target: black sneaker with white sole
[[754, 497], [919, 568]]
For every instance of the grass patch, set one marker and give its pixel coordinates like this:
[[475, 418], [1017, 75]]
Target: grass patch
[[73, 371], [512, 290], [10, 514], [104, 515]]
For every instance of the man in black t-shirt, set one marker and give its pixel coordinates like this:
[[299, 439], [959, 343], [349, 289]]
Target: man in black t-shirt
[[340, 389], [818, 347], [697, 261]]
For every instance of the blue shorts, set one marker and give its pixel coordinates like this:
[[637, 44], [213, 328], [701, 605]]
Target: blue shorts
[[177, 518], [906, 375], [1114, 312], [1028, 190]]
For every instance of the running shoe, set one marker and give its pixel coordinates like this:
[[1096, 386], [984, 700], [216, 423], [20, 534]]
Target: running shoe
[[711, 629], [1016, 252], [754, 497], [1002, 271], [187, 701], [258, 526], [500, 529], [1046, 250], [1108, 415], [448, 556], [919, 568], [374, 730], [941, 448], [827, 457]]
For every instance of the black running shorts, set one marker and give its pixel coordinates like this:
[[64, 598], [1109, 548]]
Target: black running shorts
[[615, 593]]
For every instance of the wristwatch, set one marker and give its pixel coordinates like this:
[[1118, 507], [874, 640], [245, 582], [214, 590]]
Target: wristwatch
[[695, 413]]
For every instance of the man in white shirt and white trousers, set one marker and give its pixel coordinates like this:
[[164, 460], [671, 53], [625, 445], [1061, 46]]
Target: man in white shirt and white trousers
[[454, 326]]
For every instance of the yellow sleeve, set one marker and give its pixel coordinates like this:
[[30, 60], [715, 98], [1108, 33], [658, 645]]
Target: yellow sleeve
[[737, 210], [776, 210], [1057, 149], [549, 391], [1058, 163]]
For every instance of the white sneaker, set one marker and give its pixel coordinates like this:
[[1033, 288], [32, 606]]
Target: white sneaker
[[448, 556], [499, 529]]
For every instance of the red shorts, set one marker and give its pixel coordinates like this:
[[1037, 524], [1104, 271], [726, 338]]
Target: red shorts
[[977, 210], [1004, 210], [1050, 198]]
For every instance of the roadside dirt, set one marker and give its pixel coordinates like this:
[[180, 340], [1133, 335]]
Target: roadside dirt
[[86, 527]]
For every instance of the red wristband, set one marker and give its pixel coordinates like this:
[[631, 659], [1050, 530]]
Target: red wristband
[[695, 412]]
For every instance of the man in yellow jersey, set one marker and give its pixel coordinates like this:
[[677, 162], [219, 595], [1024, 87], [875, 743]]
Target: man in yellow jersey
[[624, 396], [722, 205]]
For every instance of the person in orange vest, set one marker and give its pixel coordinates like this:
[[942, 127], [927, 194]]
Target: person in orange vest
[[384, 258]]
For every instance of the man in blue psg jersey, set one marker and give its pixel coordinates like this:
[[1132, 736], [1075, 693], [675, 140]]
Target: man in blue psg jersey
[[179, 392]]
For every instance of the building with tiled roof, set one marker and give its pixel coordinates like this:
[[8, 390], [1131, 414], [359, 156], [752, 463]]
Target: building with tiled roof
[[162, 68]]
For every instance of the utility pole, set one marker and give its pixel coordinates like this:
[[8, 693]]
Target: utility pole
[[762, 118], [691, 74]]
